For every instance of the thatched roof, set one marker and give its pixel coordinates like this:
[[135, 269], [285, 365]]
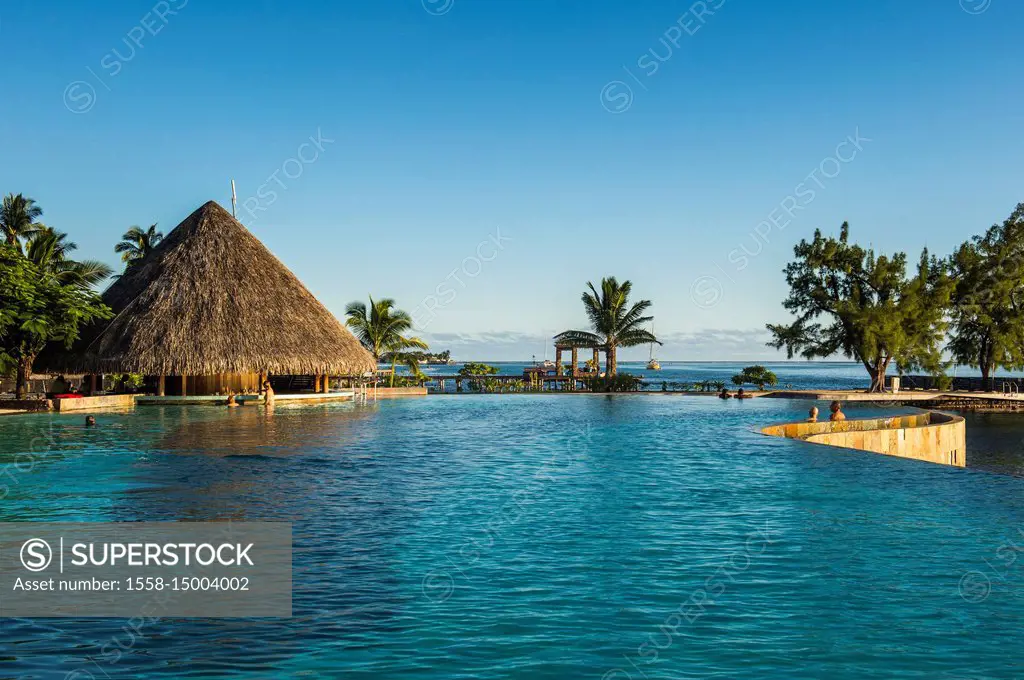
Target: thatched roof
[[211, 299]]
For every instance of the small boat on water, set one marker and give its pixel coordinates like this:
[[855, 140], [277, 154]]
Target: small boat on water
[[652, 364]]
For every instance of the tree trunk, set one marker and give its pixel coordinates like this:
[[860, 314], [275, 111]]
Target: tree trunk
[[394, 363], [611, 361], [877, 373], [24, 373], [983, 364]]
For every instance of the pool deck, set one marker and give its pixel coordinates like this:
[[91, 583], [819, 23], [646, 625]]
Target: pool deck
[[902, 397], [857, 395], [932, 436], [245, 399], [128, 401], [983, 401]]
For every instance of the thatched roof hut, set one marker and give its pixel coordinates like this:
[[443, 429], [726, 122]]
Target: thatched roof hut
[[211, 299]]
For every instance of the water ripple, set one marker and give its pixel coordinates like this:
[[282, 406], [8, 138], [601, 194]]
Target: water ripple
[[539, 537]]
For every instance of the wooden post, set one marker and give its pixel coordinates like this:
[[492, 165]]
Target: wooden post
[[597, 360], [184, 383], [92, 384], [575, 368], [558, 361], [160, 387], [327, 383]]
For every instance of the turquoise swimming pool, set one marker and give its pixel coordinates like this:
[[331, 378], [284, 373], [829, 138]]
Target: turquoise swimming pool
[[539, 536]]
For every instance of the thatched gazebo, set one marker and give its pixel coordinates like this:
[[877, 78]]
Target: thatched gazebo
[[211, 309]]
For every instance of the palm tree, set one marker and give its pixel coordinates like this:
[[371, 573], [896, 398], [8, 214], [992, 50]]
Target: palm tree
[[137, 243], [18, 218], [380, 329], [49, 249], [411, 362], [615, 323]]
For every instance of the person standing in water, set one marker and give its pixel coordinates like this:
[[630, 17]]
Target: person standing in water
[[812, 415], [837, 411]]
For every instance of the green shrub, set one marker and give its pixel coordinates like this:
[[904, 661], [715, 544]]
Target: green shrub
[[623, 382], [476, 370], [126, 382], [409, 380]]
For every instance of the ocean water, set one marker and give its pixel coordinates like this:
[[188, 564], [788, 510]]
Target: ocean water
[[803, 375], [541, 536]]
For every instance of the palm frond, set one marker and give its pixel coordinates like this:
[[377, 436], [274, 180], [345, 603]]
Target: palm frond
[[137, 243], [86, 272], [637, 337], [580, 338]]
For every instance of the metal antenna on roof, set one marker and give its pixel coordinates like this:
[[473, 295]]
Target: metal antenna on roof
[[234, 199]]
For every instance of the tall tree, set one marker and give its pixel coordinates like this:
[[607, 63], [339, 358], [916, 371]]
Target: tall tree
[[615, 323], [381, 328], [137, 243], [987, 329], [38, 306], [848, 300], [756, 375], [18, 218]]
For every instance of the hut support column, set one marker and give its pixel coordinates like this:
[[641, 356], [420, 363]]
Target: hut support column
[[597, 360], [92, 384], [575, 371], [327, 383], [558, 361], [184, 385], [161, 390]]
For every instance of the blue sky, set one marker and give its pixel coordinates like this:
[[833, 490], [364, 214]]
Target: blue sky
[[685, 146]]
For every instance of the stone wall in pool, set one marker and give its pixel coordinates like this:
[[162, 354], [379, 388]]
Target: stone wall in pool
[[933, 436]]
